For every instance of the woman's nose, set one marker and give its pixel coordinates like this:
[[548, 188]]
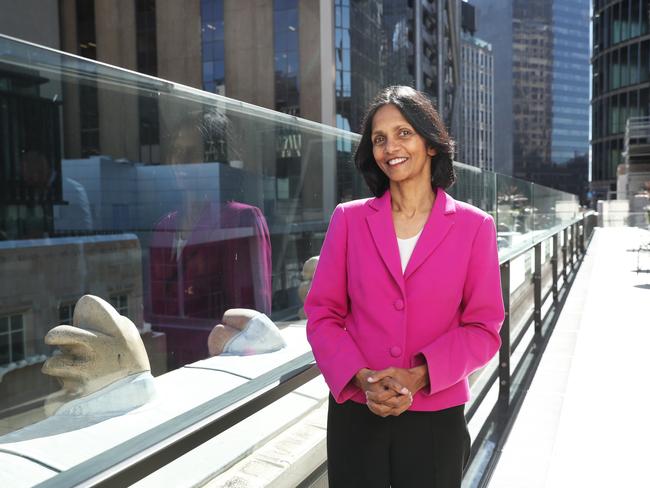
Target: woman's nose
[[391, 145]]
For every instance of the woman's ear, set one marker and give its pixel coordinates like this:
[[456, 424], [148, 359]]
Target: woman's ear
[[431, 151]]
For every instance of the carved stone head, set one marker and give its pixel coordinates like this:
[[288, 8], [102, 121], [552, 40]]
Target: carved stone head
[[100, 347]]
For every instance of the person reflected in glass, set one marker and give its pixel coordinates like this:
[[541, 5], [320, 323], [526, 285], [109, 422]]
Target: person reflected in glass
[[209, 253], [405, 303], [65, 200], [39, 184]]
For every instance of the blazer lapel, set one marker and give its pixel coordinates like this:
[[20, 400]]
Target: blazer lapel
[[435, 230], [383, 233]]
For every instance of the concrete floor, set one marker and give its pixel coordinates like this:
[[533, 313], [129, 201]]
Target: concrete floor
[[585, 421]]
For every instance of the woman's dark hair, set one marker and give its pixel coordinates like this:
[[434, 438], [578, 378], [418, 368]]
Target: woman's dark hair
[[418, 110]]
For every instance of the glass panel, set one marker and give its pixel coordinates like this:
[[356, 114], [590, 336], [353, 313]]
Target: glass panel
[[635, 21], [17, 322], [17, 346], [514, 213], [195, 232], [625, 67], [616, 23], [475, 187], [521, 284], [625, 23], [634, 63], [4, 349], [645, 61]]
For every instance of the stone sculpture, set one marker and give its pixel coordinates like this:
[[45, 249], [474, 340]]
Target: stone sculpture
[[308, 270], [101, 349], [244, 332]]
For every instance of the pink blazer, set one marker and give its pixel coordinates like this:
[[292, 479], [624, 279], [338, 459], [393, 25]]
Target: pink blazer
[[445, 310]]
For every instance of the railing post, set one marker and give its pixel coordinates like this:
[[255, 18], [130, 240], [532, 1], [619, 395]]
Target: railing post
[[569, 244], [564, 251], [537, 290], [574, 244], [504, 350], [554, 266]]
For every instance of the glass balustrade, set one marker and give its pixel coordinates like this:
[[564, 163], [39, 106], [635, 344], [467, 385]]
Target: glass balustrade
[[189, 215]]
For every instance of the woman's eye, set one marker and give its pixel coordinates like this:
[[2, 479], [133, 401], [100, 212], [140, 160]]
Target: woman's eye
[[379, 140], [404, 132]]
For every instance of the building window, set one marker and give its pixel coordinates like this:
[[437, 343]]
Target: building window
[[12, 339], [121, 303], [66, 313], [343, 48], [89, 113], [285, 32], [147, 61], [213, 48], [86, 35], [147, 53]]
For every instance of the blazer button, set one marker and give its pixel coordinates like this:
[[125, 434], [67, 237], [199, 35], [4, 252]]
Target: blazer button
[[399, 304], [395, 351]]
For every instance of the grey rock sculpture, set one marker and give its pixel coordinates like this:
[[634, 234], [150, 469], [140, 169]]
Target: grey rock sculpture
[[244, 332], [99, 349], [308, 270]]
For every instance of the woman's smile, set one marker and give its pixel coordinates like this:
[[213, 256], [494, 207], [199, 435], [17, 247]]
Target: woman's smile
[[396, 161]]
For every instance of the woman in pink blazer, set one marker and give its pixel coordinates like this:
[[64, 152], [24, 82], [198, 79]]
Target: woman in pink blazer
[[404, 305]]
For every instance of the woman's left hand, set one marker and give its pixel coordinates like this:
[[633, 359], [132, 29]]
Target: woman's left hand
[[413, 380]]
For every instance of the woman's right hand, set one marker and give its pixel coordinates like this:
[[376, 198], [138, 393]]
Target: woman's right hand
[[383, 398]]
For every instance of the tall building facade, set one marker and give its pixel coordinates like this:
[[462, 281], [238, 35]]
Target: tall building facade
[[494, 25], [359, 76], [322, 60], [422, 48], [620, 83], [398, 42], [476, 140], [541, 88], [532, 76], [570, 85]]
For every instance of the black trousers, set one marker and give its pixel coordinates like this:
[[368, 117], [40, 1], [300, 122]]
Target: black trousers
[[412, 450]]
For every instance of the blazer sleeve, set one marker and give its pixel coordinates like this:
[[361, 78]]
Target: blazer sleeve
[[464, 349], [326, 307]]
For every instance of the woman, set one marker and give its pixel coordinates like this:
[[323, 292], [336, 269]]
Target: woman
[[404, 305]]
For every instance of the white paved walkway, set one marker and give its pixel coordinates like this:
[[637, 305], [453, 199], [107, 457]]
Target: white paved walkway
[[585, 421]]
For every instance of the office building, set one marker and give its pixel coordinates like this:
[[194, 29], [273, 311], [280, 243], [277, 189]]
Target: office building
[[422, 49], [494, 25], [476, 141], [620, 85], [541, 88]]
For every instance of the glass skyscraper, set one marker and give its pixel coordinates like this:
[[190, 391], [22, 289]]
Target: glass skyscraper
[[476, 141], [621, 72], [570, 86], [541, 59], [212, 44], [358, 59]]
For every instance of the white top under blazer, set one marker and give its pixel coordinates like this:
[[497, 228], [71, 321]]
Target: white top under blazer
[[406, 247]]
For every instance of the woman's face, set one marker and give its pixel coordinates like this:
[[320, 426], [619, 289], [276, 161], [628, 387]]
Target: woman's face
[[400, 152]]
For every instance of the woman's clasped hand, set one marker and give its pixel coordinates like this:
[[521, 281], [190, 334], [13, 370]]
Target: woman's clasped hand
[[390, 391]]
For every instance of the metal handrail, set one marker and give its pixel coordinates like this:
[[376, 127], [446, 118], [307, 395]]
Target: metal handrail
[[513, 385], [140, 456]]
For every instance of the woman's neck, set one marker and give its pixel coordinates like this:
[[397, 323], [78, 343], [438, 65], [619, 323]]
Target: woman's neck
[[409, 200]]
